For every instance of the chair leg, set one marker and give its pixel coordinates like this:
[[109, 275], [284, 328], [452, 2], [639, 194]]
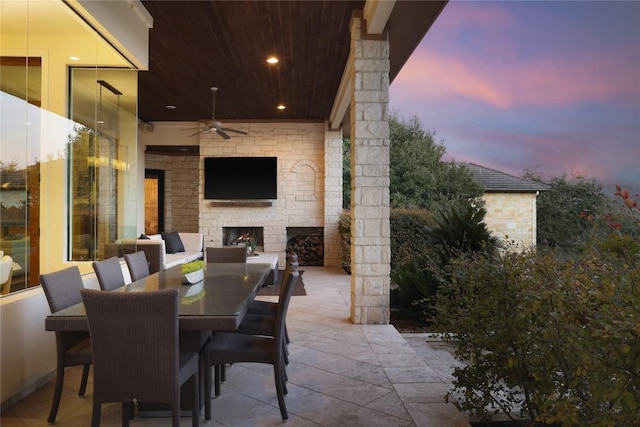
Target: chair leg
[[218, 374], [285, 379], [285, 353], [95, 414], [57, 394], [280, 390], [195, 411], [85, 377], [207, 391], [175, 413], [286, 334], [223, 373]]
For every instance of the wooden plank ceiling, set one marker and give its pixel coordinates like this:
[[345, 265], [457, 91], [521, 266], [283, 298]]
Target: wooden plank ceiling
[[195, 45]]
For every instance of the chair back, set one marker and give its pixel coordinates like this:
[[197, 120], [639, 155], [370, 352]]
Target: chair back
[[292, 265], [109, 273], [62, 288], [231, 254], [135, 344], [288, 283], [137, 264]]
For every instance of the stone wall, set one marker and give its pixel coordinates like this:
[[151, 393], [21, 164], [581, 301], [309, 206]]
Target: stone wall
[[300, 149], [512, 217], [181, 175]]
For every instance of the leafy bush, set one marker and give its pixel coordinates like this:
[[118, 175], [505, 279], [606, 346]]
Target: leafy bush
[[557, 336], [410, 233], [344, 231], [427, 250], [461, 231]]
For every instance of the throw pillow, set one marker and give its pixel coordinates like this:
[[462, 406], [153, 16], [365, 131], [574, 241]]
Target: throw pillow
[[144, 237], [173, 242]]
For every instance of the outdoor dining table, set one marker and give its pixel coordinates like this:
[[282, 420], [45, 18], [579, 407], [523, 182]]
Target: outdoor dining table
[[218, 303]]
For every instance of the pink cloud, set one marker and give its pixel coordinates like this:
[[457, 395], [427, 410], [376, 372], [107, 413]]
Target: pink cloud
[[540, 82], [490, 52], [549, 154]]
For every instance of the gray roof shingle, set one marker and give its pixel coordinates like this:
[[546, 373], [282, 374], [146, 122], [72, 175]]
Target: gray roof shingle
[[498, 182]]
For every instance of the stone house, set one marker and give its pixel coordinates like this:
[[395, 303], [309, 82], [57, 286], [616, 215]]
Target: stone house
[[510, 203]]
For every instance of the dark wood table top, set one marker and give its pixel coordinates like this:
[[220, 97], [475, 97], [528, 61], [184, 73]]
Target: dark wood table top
[[217, 303]]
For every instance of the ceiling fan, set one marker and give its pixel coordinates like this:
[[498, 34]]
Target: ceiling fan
[[215, 125]]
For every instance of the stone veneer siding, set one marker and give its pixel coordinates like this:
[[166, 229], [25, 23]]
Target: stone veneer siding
[[511, 217], [181, 187], [309, 180], [370, 229]]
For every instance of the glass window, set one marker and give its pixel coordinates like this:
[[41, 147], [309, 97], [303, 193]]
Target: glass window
[[68, 141]]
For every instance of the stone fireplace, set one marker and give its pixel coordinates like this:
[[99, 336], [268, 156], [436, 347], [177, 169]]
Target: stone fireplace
[[307, 243], [309, 189], [232, 236]]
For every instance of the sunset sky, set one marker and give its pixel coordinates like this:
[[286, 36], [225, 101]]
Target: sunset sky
[[547, 86]]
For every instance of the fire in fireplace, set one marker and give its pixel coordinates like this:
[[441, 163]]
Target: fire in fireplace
[[307, 243], [232, 236]]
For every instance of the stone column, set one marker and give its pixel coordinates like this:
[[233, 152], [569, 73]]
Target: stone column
[[370, 236], [332, 195]]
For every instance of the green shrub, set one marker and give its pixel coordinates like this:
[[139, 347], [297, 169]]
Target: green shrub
[[344, 231], [461, 231], [410, 231], [559, 337]]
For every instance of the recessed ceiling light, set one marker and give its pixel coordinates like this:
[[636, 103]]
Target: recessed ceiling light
[[74, 58], [272, 60], [281, 107], [100, 122], [171, 107]]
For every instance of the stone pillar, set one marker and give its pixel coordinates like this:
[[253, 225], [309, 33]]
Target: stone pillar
[[332, 195], [370, 236]]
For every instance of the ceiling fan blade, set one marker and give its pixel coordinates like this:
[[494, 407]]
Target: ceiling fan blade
[[235, 130], [222, 134], [201, 131]]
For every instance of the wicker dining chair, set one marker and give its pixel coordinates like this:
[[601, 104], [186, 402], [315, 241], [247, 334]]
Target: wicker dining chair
[[269, 308], [231, 254], [231, 347], [137, 264], [261, 315], [136, 356], [109, 273], [62, 289]]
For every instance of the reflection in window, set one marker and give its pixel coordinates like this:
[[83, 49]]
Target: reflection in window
[[21, 87], [97, 156]]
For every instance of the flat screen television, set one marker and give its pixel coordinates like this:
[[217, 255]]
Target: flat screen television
[[240, 178]]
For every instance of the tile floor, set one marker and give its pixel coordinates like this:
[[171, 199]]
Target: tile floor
[[340, 374]]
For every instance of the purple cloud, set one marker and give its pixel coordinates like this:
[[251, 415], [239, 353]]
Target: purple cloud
[[552, 87]]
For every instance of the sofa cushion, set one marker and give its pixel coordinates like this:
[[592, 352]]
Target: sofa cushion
[[173, 242], [181, 258], [192, 242]]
